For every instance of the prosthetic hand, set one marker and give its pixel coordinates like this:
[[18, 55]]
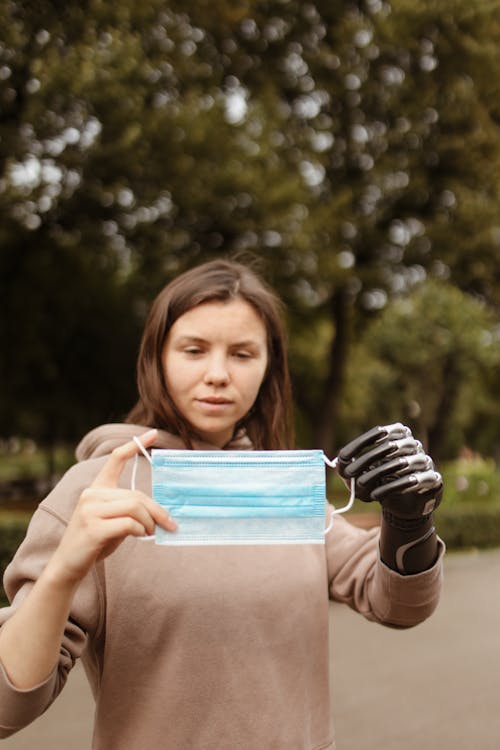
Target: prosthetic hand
[[391, 467]]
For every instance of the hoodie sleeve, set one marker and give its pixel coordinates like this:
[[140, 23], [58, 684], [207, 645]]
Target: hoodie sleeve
[[359, 578], [20, 707]]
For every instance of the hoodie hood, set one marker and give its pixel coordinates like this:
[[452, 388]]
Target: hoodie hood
[[104, 439]]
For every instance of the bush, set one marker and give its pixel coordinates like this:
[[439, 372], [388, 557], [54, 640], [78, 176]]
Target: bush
[[465, 527], [470, 512], [12, 531], [460, 527], [471, 481]]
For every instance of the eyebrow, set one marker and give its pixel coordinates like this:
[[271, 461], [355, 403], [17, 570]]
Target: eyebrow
[[184, 339]]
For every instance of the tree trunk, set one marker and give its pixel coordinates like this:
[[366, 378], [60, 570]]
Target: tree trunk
[[326, 416], [439, 427]]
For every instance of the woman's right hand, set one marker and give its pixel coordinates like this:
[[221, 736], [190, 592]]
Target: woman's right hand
[[105, 515]]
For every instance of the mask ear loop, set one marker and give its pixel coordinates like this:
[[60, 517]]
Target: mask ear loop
[[333, 463], [134, 475]]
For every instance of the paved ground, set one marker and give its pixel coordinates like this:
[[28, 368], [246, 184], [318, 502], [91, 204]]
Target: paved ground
[[436, 686]]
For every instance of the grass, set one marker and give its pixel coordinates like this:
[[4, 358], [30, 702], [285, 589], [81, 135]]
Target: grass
[[13, 516], [23, 460]]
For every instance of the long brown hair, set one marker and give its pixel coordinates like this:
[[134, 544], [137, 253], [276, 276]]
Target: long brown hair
[[269, 423]]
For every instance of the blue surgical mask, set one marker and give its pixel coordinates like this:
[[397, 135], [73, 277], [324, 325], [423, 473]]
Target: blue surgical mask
[[242, 497]]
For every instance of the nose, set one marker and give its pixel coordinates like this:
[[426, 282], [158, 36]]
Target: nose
[[216, 372]]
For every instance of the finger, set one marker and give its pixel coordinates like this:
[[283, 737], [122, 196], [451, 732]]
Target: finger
[[394, 431], [419, 482], [159, 514], [396, 487], [128, 509], [163, 519], [395, 468], [358, 465], [113, 529], [386, 449], [110, 502], [362, 441], [429, 480], [110, 472]]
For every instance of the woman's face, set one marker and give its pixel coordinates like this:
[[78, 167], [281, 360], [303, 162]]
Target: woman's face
[[214, 361]]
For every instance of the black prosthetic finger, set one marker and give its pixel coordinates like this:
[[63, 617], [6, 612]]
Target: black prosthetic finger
[[349, 451], [394, 431], [419, 462], [382, 474], [419, 483], [429, 480], [372, 457], [391, 449], [395, 468], [412, 496], [386, 449], [408, 446], [397, 431], [392, 490]]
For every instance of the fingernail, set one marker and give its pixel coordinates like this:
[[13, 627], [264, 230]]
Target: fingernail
[[149, 433], [170, 524]]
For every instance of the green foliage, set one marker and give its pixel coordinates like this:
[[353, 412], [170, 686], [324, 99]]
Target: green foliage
[[426, 360], [23, 460], [353, 147], [471, 481], [469, 527], [12, 531]]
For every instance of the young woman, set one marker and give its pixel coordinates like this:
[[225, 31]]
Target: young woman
[[207, 647]]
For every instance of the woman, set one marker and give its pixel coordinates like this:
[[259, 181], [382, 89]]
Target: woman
[[207, 647]]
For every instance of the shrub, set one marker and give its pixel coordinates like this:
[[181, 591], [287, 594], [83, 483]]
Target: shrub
[[12, 531], [471, 481], [470, 513], [462, 527], [465, 527]]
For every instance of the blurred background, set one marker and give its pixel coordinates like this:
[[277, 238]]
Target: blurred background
[[351, 148]]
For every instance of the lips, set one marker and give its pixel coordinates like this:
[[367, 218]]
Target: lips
[[215, 406], [215, 400]]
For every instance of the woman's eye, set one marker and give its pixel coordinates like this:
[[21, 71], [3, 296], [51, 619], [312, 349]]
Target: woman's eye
[[192, 350], [243, 355]]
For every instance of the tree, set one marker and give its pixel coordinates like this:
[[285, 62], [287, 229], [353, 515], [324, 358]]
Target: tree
[[326, 138], [103, 123], [389, 116], [426, 359]]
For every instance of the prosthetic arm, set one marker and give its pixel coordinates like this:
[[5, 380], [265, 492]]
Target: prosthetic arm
[[391, 467]]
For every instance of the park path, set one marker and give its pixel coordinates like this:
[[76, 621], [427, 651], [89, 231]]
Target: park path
[[436, 686]]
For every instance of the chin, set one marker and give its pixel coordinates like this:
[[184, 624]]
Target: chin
[[217, 435]]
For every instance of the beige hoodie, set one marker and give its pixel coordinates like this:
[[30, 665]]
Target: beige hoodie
[[204, 648]]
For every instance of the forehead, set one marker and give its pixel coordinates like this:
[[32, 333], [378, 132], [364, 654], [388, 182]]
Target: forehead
[[236, 318]]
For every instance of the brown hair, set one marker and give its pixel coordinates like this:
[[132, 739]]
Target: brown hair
[[269, 422]]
